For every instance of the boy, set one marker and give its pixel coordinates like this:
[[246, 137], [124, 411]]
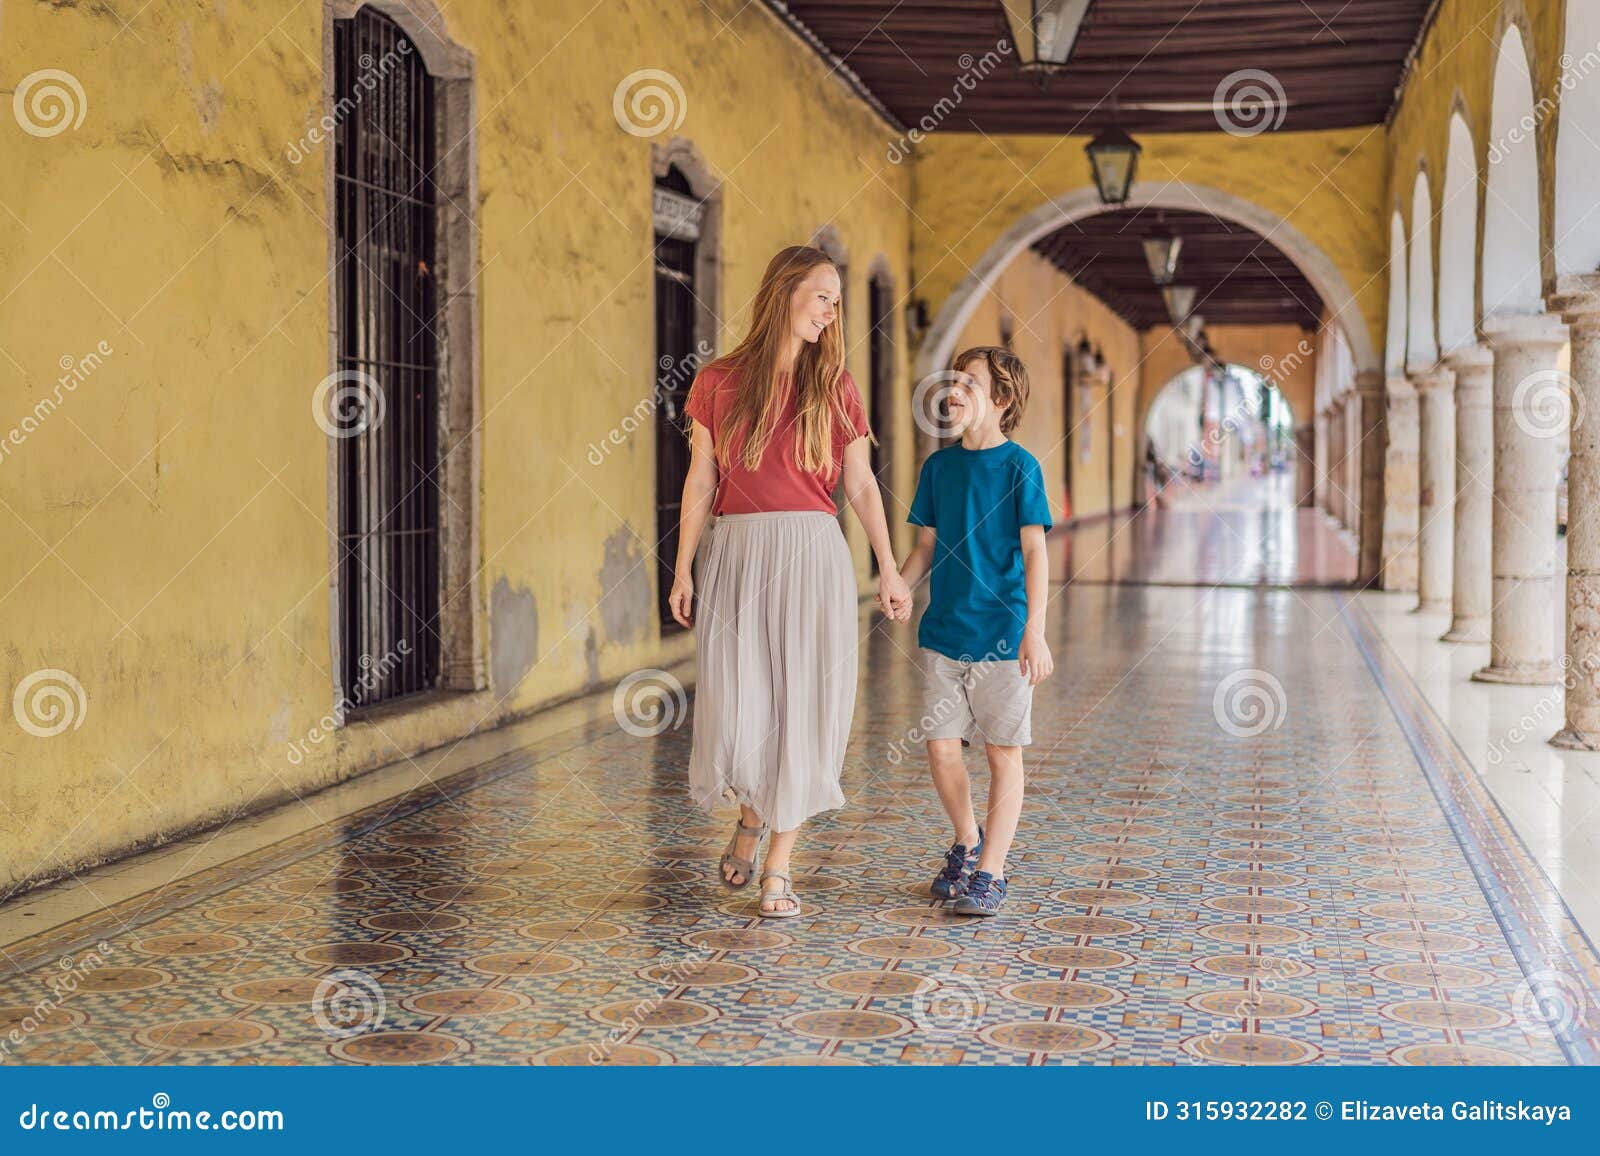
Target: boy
[[983, 512]]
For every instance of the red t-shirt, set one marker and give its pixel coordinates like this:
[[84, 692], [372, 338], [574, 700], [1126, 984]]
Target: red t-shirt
[[778, 483]]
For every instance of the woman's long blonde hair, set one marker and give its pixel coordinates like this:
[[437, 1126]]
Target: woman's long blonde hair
[[818, 371]]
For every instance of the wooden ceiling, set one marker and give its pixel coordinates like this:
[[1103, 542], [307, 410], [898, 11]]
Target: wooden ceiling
[[1240, 278], [1163, 63]]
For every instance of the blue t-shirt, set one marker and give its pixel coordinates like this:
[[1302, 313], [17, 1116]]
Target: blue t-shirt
[[977, 502]]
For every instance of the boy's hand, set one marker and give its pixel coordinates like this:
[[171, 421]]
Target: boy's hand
[[1034, 656], [894, 596]]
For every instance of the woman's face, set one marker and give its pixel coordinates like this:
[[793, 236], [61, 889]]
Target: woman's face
[[815, 304]]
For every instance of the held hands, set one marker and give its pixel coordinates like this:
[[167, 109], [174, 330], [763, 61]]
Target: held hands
[[1034, 656], [894, 596], [681, 600]]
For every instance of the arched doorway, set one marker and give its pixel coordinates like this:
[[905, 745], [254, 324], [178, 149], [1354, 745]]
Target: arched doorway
[[1218, 426]]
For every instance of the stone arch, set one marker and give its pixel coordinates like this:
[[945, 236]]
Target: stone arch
[[1458, 239], [1577, 226], [938, 344], [1394, 338], [1422, 343], [1512, 282]]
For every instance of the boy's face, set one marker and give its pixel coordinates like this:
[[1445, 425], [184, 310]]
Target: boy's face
[[971, 399]]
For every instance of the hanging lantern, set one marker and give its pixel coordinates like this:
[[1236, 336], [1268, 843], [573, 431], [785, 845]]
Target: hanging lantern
[[1161, 250], [1085, 354], [1044, 32], [1180, 302], [1114, 158]]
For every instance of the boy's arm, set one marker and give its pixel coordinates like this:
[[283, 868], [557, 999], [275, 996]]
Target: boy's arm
[[1034, 653], [920, 559]]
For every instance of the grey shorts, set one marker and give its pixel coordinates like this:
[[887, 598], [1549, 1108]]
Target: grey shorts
[[988, 702]]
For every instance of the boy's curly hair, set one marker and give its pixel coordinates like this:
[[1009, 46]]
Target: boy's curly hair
[[1010, 378]]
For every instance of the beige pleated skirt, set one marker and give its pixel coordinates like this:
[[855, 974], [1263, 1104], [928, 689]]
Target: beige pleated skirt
[[775, 631]]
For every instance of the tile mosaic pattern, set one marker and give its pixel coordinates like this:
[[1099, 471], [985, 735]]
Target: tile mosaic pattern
[[1282, 889]]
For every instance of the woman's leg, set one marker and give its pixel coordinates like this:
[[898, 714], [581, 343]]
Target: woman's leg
[[778, 860], [744, 846], [950, 779], [1005, 807]]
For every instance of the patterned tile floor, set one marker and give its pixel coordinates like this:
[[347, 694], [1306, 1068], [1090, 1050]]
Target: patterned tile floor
[[1243, 844]]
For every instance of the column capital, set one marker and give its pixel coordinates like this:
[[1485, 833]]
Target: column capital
[[1466, 358], [1440, 376], [1503, 330], [1576, 297], [1369, 381]]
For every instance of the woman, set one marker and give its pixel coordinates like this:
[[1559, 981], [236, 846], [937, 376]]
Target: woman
[[775, 423]]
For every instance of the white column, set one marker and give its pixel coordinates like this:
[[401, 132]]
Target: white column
[[1367, 453], [1401, 483], [1523, 548], [1471, 572], [1578, 300], [1319, 449], [1436, 496]]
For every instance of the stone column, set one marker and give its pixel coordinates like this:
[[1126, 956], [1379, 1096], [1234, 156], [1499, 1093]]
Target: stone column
[[1305, 464], [1578, 300], [1334, 485], [1523, 518], [1401, 483], [1470, 585], [1350, 447], [1319, 455], [1437, 493], [1369, 448]]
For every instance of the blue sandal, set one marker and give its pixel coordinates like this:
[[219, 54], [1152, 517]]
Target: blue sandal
[[959, 862], [983, 896]]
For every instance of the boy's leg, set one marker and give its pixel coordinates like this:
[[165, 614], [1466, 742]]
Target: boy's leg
[[1005, 807], [950, 779]]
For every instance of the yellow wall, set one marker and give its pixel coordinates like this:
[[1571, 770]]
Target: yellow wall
[[167, 527], [1328, 185], [1050, 314]]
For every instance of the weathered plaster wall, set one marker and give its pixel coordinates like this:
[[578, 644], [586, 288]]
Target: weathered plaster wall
[[1049, 315], [168, 542]]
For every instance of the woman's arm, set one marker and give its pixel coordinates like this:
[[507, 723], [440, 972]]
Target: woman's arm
[[699, 488], [861, 491]]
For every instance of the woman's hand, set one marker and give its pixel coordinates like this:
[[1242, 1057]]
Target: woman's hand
[[681, 600], [894, 596], [1034, 655]]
